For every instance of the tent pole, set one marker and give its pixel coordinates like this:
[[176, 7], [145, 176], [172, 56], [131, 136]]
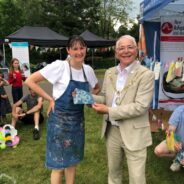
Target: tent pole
[[92, 57], [60, 53], [4, 54], [115, 61]]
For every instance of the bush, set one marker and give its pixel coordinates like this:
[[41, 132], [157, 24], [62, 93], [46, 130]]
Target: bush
[[101, 63]]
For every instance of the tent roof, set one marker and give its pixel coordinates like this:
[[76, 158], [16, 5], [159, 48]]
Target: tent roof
[[153, 10], [93, 40], [41, 36]]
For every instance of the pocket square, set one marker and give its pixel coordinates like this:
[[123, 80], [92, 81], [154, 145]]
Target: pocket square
[[82, 97]]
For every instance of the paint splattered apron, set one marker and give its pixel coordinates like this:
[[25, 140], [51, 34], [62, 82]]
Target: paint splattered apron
[[65, 130]]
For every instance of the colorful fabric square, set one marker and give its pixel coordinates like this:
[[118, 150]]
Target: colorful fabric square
[[170, 74], [82, 97], [171, 140]]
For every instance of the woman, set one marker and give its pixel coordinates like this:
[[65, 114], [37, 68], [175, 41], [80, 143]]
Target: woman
[[65, 131], [15, 78]]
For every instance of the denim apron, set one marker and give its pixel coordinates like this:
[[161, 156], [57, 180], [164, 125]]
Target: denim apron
[[65, 129]]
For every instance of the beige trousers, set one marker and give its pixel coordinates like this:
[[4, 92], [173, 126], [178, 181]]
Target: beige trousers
[[136, 160]]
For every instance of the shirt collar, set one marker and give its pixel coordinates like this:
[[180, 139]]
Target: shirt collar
[[128, 69]]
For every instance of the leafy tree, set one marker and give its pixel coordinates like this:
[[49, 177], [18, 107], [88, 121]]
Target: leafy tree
[[32, 12], [134, 31], [10, 17], [64, 16], [71, 16], [112, 11]]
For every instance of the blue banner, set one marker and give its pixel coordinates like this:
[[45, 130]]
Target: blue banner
[[19, 44]]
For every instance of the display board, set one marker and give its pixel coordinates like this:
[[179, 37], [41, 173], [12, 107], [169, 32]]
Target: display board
[[20, 50], [171, 50]]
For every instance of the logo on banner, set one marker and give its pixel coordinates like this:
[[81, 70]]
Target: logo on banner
[[167, 27]]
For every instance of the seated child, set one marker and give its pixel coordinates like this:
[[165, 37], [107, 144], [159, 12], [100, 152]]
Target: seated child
[[176, 126], [5, 106], [32, 114]]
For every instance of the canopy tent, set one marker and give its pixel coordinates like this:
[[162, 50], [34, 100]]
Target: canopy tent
[[153, 15], [152, 10], [39, 36], [93, 40], [150, 17]]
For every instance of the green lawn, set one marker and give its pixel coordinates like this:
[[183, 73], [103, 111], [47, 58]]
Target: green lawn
[[100, 73], [25, 164]]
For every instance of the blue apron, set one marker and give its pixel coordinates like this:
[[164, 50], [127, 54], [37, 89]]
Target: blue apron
[[65, 129]]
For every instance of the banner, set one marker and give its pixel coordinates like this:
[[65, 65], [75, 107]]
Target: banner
[[171, 50], [20, 50]]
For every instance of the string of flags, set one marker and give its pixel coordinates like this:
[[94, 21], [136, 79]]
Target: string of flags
[[55, 49]]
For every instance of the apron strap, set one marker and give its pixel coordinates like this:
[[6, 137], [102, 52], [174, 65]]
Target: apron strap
[[71, 78]]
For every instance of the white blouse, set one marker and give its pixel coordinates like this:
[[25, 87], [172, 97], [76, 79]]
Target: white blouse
[[58, 74]]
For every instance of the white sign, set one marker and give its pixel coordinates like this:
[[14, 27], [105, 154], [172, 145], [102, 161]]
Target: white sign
[[171, 48], [20, 50]]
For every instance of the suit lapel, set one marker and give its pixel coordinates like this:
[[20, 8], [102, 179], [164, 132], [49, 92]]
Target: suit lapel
[[113, 79], [130, 79], [114, 76]]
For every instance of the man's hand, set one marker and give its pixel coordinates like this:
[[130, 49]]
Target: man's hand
[[100, 108]]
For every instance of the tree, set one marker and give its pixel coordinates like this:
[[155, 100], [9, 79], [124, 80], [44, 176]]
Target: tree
[[131, 27], [112, 11], [67, 17], [134, 31], [10, 17], [71, 17], [32, 12]]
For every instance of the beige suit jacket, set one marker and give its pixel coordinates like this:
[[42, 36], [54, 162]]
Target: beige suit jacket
[[132, 114]]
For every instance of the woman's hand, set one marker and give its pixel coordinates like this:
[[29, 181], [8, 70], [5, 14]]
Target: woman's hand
[[51, 106], [74, 93], [14, 76]]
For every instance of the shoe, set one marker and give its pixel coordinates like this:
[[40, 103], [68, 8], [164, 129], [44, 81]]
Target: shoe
[[36, 134], [175, 166]]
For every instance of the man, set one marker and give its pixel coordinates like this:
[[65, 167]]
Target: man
[[176, 124], [127, 92], [32, 115]]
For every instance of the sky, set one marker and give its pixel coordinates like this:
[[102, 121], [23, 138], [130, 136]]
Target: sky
[[135, 9], [133, 14]]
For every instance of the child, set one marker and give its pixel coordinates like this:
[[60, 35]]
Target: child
[[5, 106], [15, 78], [176, 124]]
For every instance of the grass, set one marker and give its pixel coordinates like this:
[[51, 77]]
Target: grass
[[25, 164], [100, 73]]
